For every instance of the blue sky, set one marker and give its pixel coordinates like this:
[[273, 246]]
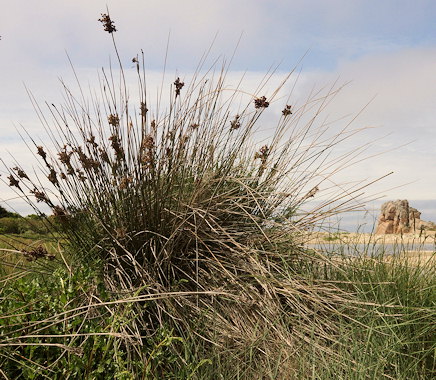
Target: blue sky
[[385, 49]]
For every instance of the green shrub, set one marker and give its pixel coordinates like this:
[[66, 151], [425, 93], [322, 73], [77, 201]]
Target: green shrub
[[20, 225], [5, 213], [10, 225], [51, 326]]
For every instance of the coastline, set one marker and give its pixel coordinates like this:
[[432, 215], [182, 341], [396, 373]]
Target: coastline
[[411, 239], [413, 248]]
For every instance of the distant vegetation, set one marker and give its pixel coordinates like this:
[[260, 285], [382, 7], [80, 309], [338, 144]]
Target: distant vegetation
[[177, 245], [13, 223]]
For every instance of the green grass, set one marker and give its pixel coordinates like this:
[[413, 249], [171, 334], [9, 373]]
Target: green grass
[[388, 333]]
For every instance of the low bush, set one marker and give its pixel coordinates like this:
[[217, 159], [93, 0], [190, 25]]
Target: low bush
[[10, 225], [63, 325], [21, 225], [5, 213]]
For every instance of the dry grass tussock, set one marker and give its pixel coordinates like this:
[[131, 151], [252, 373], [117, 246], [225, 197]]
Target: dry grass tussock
[[192, 222]]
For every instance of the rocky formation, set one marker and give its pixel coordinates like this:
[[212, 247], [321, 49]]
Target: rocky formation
[[397, 217]]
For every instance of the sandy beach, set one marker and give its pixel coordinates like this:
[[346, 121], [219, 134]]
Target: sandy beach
[[366, 238], [415, 250]]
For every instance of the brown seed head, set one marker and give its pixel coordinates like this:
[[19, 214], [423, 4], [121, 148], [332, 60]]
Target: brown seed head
[[120, 233], [40, 196], [41, 152], [262, 154], [104, 156], [144, 109], [179, 85], [148, 159], [81, 175], [113, 120], [20, 172], [91, 141], [61, 214], [87, 162], [13, 181], [108, 24], [124, 183], [153, 126], [235, 124], [261, 102], [65, 156], [116, 145], [147, 142], [287, 110], [52, 177], [37, 253]]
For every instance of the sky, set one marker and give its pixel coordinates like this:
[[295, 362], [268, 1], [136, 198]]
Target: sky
[[384, 51]]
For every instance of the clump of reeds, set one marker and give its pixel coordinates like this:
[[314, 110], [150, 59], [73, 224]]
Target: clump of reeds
[[186, 202]]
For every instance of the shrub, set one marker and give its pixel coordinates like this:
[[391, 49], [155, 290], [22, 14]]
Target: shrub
[[10, 225], [5, 213], [61, 342], [20, 225]]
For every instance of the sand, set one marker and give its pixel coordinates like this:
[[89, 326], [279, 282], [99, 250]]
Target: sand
[[417, 256], [428, 238]]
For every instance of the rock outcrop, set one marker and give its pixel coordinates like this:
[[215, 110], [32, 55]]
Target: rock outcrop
[[397, 217]]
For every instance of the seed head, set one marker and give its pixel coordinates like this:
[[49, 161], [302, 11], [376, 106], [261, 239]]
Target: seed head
[[61, 214], [153, 125], [148, 142], [37, 253], [287, 110], [40, 196], [87, 162], [65, 156], [108, 24], [120, 233], [52, 177], [261, 102], [148, 156], [113, 120], [104, 156], [41, 152], [81, 175], [20, 172], [124, 183], [91, 141], [13, 181], [262, 154], [144, 109], [116, 145], [179, 85], [235, 124]]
